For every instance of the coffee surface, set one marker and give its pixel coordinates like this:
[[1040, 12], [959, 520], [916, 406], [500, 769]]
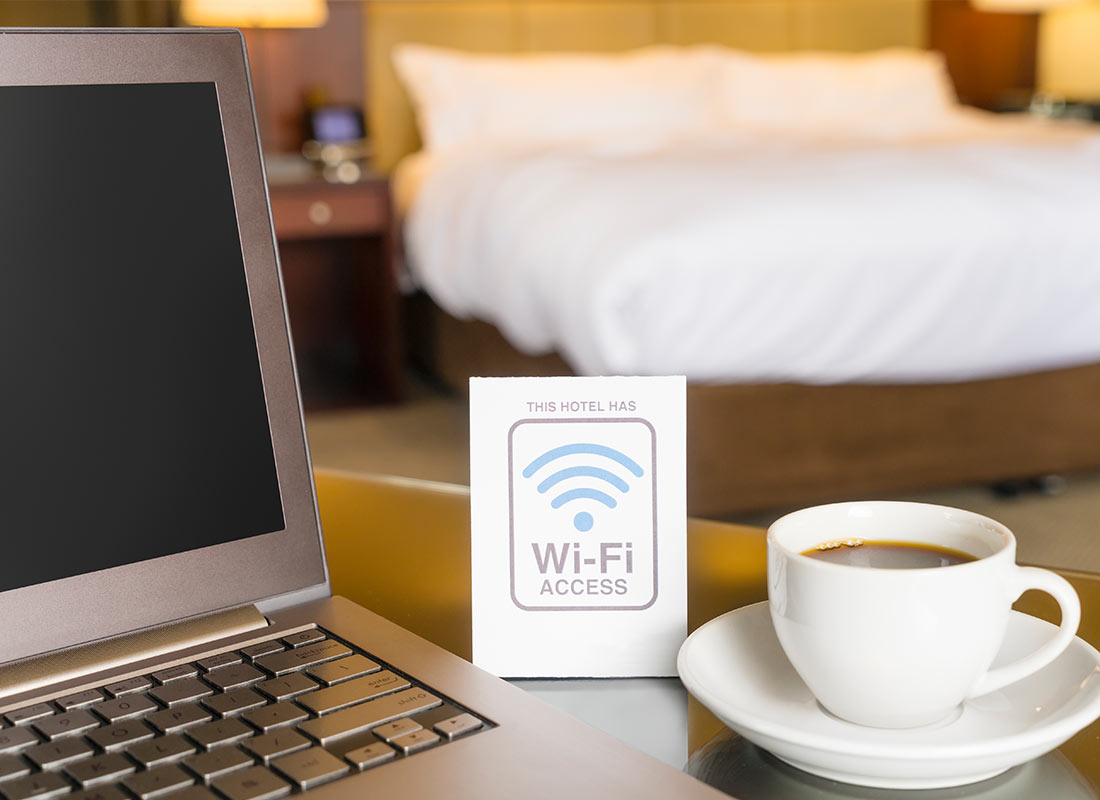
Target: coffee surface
[[887, 555]]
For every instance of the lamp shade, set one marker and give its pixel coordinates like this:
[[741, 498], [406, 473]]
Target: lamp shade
[[1069, 52], [1017, 6], [255, 13]]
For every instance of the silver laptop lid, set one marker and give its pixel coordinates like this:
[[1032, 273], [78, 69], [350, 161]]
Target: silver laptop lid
[[154, 463]]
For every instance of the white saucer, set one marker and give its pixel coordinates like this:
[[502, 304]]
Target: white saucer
[[736, 668]]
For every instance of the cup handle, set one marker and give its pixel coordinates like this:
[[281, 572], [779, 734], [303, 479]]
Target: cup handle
[[1058, 588]]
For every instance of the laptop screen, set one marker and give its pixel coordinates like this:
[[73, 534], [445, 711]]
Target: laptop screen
[[134, 415]]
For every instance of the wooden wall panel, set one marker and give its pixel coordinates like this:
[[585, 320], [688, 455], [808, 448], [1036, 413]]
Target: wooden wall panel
[[289, 64], [88, 13], [991, 57], [758, 25], [47, 13], [853, 25], [580, 25]]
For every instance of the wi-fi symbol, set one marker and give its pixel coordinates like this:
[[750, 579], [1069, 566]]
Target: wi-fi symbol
[[583, 520]]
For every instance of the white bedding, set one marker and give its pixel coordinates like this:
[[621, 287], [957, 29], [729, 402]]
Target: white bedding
[[747, 257]]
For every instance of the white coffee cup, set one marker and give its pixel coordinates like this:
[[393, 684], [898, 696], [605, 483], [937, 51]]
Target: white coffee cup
[[900, 648]]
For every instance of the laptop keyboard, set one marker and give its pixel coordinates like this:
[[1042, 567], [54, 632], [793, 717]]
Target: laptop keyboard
[[265, 721]]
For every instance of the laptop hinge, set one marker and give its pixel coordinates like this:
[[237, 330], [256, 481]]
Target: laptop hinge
[[63, 665]]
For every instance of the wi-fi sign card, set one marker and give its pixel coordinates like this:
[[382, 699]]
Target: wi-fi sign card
[[578, 525]]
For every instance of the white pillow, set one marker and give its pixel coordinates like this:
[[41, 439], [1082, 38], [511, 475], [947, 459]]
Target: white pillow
[[462, 97], [886, 93]]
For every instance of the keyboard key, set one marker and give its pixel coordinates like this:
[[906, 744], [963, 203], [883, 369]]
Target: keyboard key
[[255, 783], [234, 677], [157, 781], [457, 725], [287, 687], [184, 690], [41, 785], [219, 732], [343, 669], [262, 649], [128, 686], [104, 792], [13, 767], [215, 763], [174, 720], [176, 673], [121, 734], [275, 744], [309, 655], [325, 701], [85, 698], [63, 751], [110, 767], [67, 724], [274, 716], [391, 730], [232, 703], [12, 740], [417, 740], [195, 793], [368, 715], [29, 713], [309, 768], [370, 756], [162, 750], [125, 707], [219, 661], [304, 637]]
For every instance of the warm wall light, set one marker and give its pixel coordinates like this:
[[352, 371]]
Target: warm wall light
[[1017, 6], [255, 13], [1069, 52]]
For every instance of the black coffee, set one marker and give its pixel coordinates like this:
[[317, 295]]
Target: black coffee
[[887, 555]]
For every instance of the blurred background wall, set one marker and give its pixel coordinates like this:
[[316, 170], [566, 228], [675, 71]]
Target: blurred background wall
[[996, 59]]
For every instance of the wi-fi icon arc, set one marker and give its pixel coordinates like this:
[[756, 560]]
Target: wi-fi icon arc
[[583, 521]]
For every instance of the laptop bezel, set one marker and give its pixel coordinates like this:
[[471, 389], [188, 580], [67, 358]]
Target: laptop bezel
[[84, 608]]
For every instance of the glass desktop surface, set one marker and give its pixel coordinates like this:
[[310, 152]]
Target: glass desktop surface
[[651, 714], [726, 570], [659, 717]]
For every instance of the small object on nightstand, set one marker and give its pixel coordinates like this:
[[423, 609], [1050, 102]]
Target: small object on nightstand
[[337, 142], [1055, 107]]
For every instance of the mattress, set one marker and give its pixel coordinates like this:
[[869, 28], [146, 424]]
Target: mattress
[[754, 257]]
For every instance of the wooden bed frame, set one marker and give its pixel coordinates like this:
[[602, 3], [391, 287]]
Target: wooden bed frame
[[764, 446], [751, 446]]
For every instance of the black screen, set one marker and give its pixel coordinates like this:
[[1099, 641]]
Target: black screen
[[132, 409]]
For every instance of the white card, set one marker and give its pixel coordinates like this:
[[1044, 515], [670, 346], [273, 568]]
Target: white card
[[578, 540]]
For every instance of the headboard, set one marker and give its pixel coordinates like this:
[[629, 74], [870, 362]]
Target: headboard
[[506, 26]]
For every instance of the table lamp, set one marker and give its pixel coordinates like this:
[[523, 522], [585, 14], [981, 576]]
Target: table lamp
[[255, 13], [1069, 53], [1067, 58]]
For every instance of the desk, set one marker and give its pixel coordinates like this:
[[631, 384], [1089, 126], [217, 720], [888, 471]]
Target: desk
[[336, 251], [366, 517]]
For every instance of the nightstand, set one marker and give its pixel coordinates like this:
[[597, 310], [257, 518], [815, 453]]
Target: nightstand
[[336, 248]]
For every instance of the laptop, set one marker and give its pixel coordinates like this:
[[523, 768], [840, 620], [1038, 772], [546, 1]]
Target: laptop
[[167, 625]]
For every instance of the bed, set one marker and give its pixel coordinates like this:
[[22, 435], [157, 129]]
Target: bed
[[870, 341]]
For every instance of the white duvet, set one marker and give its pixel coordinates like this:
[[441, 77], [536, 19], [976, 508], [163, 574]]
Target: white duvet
[[757, 258]]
